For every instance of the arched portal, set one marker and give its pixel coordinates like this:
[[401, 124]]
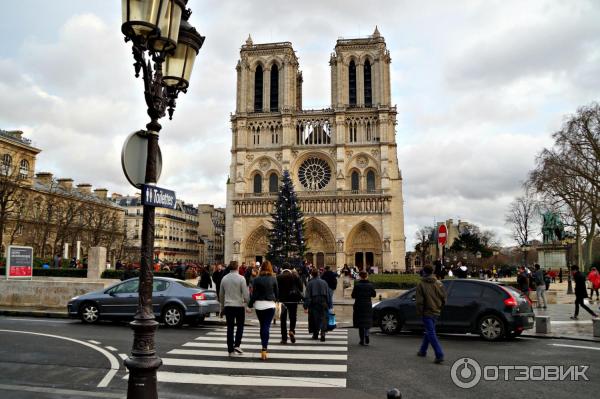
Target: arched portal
[[364, 249], [256, 246], [320, 243]]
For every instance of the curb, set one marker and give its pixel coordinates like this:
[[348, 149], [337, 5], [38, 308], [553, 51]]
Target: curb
[[34, 313], [566, 337]]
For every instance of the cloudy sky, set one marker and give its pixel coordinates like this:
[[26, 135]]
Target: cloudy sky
[[479, 85]]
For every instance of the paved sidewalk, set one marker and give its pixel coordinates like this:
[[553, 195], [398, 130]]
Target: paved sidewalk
[[561, 326]]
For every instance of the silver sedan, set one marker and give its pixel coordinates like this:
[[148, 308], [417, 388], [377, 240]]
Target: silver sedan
[[173, 301]]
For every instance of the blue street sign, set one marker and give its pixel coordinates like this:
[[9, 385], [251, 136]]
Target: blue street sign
[[159, 197]]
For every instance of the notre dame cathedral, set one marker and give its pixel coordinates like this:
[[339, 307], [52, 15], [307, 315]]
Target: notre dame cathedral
[[342, 159]]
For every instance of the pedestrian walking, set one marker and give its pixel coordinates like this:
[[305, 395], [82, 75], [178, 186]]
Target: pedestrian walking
[[594, 279], [204, 281], [217, 276], [290, 294], [362, 316], [580, 293], [560, 275], [430, 298], [317, 302], [540, 286], [523, 281], [233, 297], [265, 292]]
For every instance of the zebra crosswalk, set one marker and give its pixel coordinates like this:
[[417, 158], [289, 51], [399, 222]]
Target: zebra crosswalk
[[307, 363]]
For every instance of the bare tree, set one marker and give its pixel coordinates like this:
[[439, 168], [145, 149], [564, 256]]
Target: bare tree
[[12, 179], [523, 216], [424, 239]]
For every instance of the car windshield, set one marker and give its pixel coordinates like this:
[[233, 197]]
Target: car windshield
[[512, 290], [186, 284]]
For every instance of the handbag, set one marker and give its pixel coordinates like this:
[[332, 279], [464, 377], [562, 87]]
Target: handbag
[[331, 323]]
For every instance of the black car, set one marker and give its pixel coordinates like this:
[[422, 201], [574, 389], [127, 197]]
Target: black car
[[173, 301], [482, 307]]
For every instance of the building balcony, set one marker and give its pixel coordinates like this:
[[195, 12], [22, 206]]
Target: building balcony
[[319, 194]]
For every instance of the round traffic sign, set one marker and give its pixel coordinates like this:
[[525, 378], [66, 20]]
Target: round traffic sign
[[133, 158], [442, 234]]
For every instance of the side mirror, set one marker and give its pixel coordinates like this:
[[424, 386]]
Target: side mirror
[[111, 293]]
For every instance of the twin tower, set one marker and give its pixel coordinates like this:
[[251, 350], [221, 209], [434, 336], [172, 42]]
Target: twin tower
[[342, 159]]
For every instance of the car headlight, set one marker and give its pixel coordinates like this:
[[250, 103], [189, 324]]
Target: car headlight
[[75, 297]]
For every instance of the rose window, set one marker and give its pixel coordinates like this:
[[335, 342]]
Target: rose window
[[314, 174]]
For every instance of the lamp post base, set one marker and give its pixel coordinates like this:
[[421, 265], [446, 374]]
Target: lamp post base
[[143, 362]]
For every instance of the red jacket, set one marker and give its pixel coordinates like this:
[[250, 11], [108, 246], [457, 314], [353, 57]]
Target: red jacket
[[594, 278]]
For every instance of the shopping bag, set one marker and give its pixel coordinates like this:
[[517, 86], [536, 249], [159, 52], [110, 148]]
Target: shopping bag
[[331, 324]]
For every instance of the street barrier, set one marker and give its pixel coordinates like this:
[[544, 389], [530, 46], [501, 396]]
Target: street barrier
[[542, 324]]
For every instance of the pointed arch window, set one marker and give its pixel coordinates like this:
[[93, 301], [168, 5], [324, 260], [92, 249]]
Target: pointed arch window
[[371, 181], [273, 183], [352, 82], [258, 89], [274, 92], [354, 181], [257, 183], [367, 79]]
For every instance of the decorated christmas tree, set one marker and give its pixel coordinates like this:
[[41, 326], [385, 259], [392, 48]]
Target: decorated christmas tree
[[286, 236]]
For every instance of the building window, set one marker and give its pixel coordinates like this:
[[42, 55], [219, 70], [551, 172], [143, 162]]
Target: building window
[[368, 91], [354, 181], [273, 183], [24, 169], [257, 183], [352, 82], [353, 132], [258, 89], [371, 181], [6, 164], [274, 97]]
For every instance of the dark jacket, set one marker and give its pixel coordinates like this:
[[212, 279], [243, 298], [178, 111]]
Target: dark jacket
[[523, 282], [290, 288], [217, 276], [204, 281], [317, 294], [264, 288], [430, 297], [330, 278], [580, 290], [362, 293]]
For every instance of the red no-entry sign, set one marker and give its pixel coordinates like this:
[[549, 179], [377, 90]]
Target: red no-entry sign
[[442, 235]]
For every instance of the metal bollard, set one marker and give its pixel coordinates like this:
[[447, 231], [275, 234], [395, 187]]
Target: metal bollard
[[542, 324], [596, 323], [394, 393]]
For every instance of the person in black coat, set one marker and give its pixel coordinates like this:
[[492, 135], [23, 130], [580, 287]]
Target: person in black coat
[[580, 293], [363, 310], [290, 293], [204, 281]]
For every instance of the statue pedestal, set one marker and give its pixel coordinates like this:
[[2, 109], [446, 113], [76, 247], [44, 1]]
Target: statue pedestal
[[552, 256]]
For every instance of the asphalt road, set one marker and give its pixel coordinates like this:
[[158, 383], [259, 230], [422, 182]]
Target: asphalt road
[[53, 358]]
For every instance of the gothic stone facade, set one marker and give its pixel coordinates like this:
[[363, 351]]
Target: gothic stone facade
[[342, 159]]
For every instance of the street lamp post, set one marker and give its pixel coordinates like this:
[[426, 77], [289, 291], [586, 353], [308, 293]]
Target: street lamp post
[[160, 35]]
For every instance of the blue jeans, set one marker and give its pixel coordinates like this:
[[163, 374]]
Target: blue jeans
[[431, 338], [265, 317]]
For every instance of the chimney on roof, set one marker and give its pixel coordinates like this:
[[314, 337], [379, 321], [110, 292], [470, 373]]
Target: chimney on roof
[[65, 184], [84, 188], [101, 193], [44, 178]]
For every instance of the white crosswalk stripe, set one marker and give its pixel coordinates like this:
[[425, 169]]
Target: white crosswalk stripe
[[307, 363]]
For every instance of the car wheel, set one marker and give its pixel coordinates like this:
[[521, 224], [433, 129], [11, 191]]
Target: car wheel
[[173, 316], [390, 323], [491, 327], [89, 313]]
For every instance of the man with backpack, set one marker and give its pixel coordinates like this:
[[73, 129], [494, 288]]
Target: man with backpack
[[540, 286]]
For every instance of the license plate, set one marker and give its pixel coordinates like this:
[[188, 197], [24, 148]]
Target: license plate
[[530, 319]]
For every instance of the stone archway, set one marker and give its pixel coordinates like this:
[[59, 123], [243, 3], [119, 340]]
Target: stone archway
[[257, 246], [364, 248], [320, 243]]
